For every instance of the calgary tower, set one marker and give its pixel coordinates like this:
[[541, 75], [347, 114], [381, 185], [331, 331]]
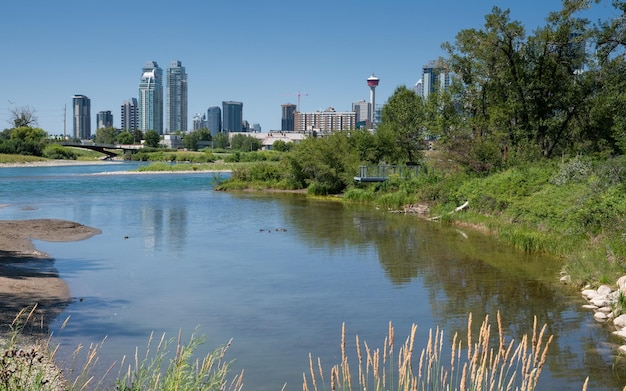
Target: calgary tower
[[372, 82]]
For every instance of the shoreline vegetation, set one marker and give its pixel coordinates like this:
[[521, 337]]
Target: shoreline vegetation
[[571, 208]]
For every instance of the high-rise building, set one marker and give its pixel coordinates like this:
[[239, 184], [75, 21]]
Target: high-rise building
[[104, 119], [214, 120], [150, 100], [176, 98], [232, 113], [256, 127], [362, 111], [82, 117], [287, 122], [199, 121], [434, 78], [325, 121], [129, 115]]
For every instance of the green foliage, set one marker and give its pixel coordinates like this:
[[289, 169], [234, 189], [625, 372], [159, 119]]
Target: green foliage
[[400, 135], [255, 156], [125, 137], [152, 138], [106, 136], [281, 146], [576, 170], [245, 143], [24, 141], [56, 151], [328, 163], [220, 141]]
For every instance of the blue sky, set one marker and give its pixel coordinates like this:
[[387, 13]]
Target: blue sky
[[261, 53]]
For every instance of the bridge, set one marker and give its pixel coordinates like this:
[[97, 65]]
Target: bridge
[[381, 173], [107, 149]]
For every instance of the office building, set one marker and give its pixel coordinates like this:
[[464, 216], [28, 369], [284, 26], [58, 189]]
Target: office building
[[199, 121], [104, 119], [150, 100], [82, 117], [214, 120], [129, 115], [232, 116], [325, 121], [176, 98], [287, 122], [434, 78], [362, 111]]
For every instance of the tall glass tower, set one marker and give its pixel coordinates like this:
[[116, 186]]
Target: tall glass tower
[[82, 117], [104, 119], [287, 123], [214, 120], [151, 98], [233, 116], [176, 98]]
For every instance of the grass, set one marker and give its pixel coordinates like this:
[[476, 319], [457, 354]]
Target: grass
[[488, 361], [473, 364]]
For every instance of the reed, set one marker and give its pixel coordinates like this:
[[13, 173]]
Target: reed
[[480, 364]]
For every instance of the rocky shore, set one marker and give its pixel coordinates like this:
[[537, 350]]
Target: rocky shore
[[609, 306]]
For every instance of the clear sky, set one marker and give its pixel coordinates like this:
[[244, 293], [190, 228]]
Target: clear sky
[[261, 53]]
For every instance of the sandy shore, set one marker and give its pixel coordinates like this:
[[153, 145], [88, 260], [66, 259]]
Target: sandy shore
[[28, 276]]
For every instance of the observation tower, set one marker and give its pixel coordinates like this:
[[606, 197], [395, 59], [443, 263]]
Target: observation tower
[[372, 82]]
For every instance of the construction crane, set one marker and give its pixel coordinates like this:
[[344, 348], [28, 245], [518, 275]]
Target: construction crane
[[299, 94]]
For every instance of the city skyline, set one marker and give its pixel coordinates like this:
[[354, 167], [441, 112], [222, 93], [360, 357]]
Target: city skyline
[[280, 53]]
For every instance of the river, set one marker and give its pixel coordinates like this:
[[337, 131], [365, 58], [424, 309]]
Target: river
[[280, 274]]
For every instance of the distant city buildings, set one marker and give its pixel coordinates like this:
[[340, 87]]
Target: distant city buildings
[[151, 98], [361, 110], [232, 114], [214, 120], [199, 121], [434, 78], [176, 98], [324, 121], [104, 119], [82, 117], [287, 122], [129, 115]]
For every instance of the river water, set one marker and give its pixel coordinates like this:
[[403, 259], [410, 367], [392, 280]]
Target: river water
[[280, 273]]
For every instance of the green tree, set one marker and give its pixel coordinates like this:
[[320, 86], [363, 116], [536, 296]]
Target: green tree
[[152, 139], [518, 90], [125, 137], [324, 165], [400, 135], [220, 140], [281, 146], [25, 141], [106, 136], [245, 143]]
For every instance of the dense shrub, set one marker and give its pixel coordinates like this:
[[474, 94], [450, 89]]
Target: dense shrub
[[56, 151]]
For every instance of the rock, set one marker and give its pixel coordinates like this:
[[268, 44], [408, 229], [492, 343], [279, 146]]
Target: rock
[[590, 294], [620, 333], [565, 279], [604, 290], [621, 350], [600, 301], [621, 282], [590, 307], [606, 310], [620, 321], [600, 316]]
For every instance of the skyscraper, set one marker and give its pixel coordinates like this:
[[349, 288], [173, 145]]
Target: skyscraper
[[176, 98], [104, 119], [362, 110], [82, 117], [233, 116], [214, 120], [129, 115], [287, 122], [151, 98], [434, 78]]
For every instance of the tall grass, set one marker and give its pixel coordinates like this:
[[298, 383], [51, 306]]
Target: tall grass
[[480, 364]]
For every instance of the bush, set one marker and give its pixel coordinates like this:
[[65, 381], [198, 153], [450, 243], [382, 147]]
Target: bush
[[56, 151]]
